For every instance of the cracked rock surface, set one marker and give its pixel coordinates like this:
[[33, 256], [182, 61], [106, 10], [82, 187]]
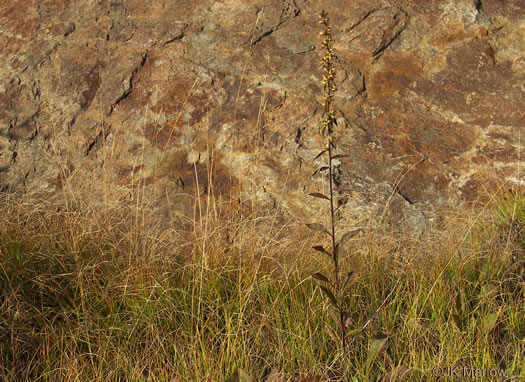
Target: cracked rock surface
[[111, 97]]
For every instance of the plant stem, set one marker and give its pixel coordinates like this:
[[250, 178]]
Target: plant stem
[[332, 222], [335, 251], [335, 255], [328, 126]]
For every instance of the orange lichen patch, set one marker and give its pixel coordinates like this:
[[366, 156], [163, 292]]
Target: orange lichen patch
[[164, 136], [398, 73], [417, 179], [188, 108], [11, 45], [454, 33], [24, 24], [173, 100], [499, 153]]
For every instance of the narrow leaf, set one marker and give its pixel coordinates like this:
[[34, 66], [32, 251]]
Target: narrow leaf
[[334, 313], [240, 376], [456, 319], [320, 277], [330, 296], [459, 303], [488, 291], [340, 156], [348, 321], [347, 236], [375, 347], [321, 249], [354, 331], [321, 153], [332, 143], [324, 168], [489, 321], [319, 195], [317, 227], [347, 279]]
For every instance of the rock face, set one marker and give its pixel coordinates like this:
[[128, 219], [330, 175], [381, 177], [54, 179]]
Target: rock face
[[221, 98]]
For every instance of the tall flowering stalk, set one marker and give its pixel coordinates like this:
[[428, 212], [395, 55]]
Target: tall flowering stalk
[[334, 288], [327, 64]]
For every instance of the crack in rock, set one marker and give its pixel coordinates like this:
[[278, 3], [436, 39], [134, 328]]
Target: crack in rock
[[178, 36], [129, 87], [289, 11], [95, 143], [403, 195], [374, 31], [479, 5]]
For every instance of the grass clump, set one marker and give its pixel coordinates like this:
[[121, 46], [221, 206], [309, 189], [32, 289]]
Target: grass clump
[[74, 309]]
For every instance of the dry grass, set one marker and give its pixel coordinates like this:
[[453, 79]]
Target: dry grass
[[84, 297]]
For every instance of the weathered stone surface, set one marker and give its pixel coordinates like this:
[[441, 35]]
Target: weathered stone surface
[[221, 98]]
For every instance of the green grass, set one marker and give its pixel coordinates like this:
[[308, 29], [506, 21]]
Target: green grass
[[83, 304]]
